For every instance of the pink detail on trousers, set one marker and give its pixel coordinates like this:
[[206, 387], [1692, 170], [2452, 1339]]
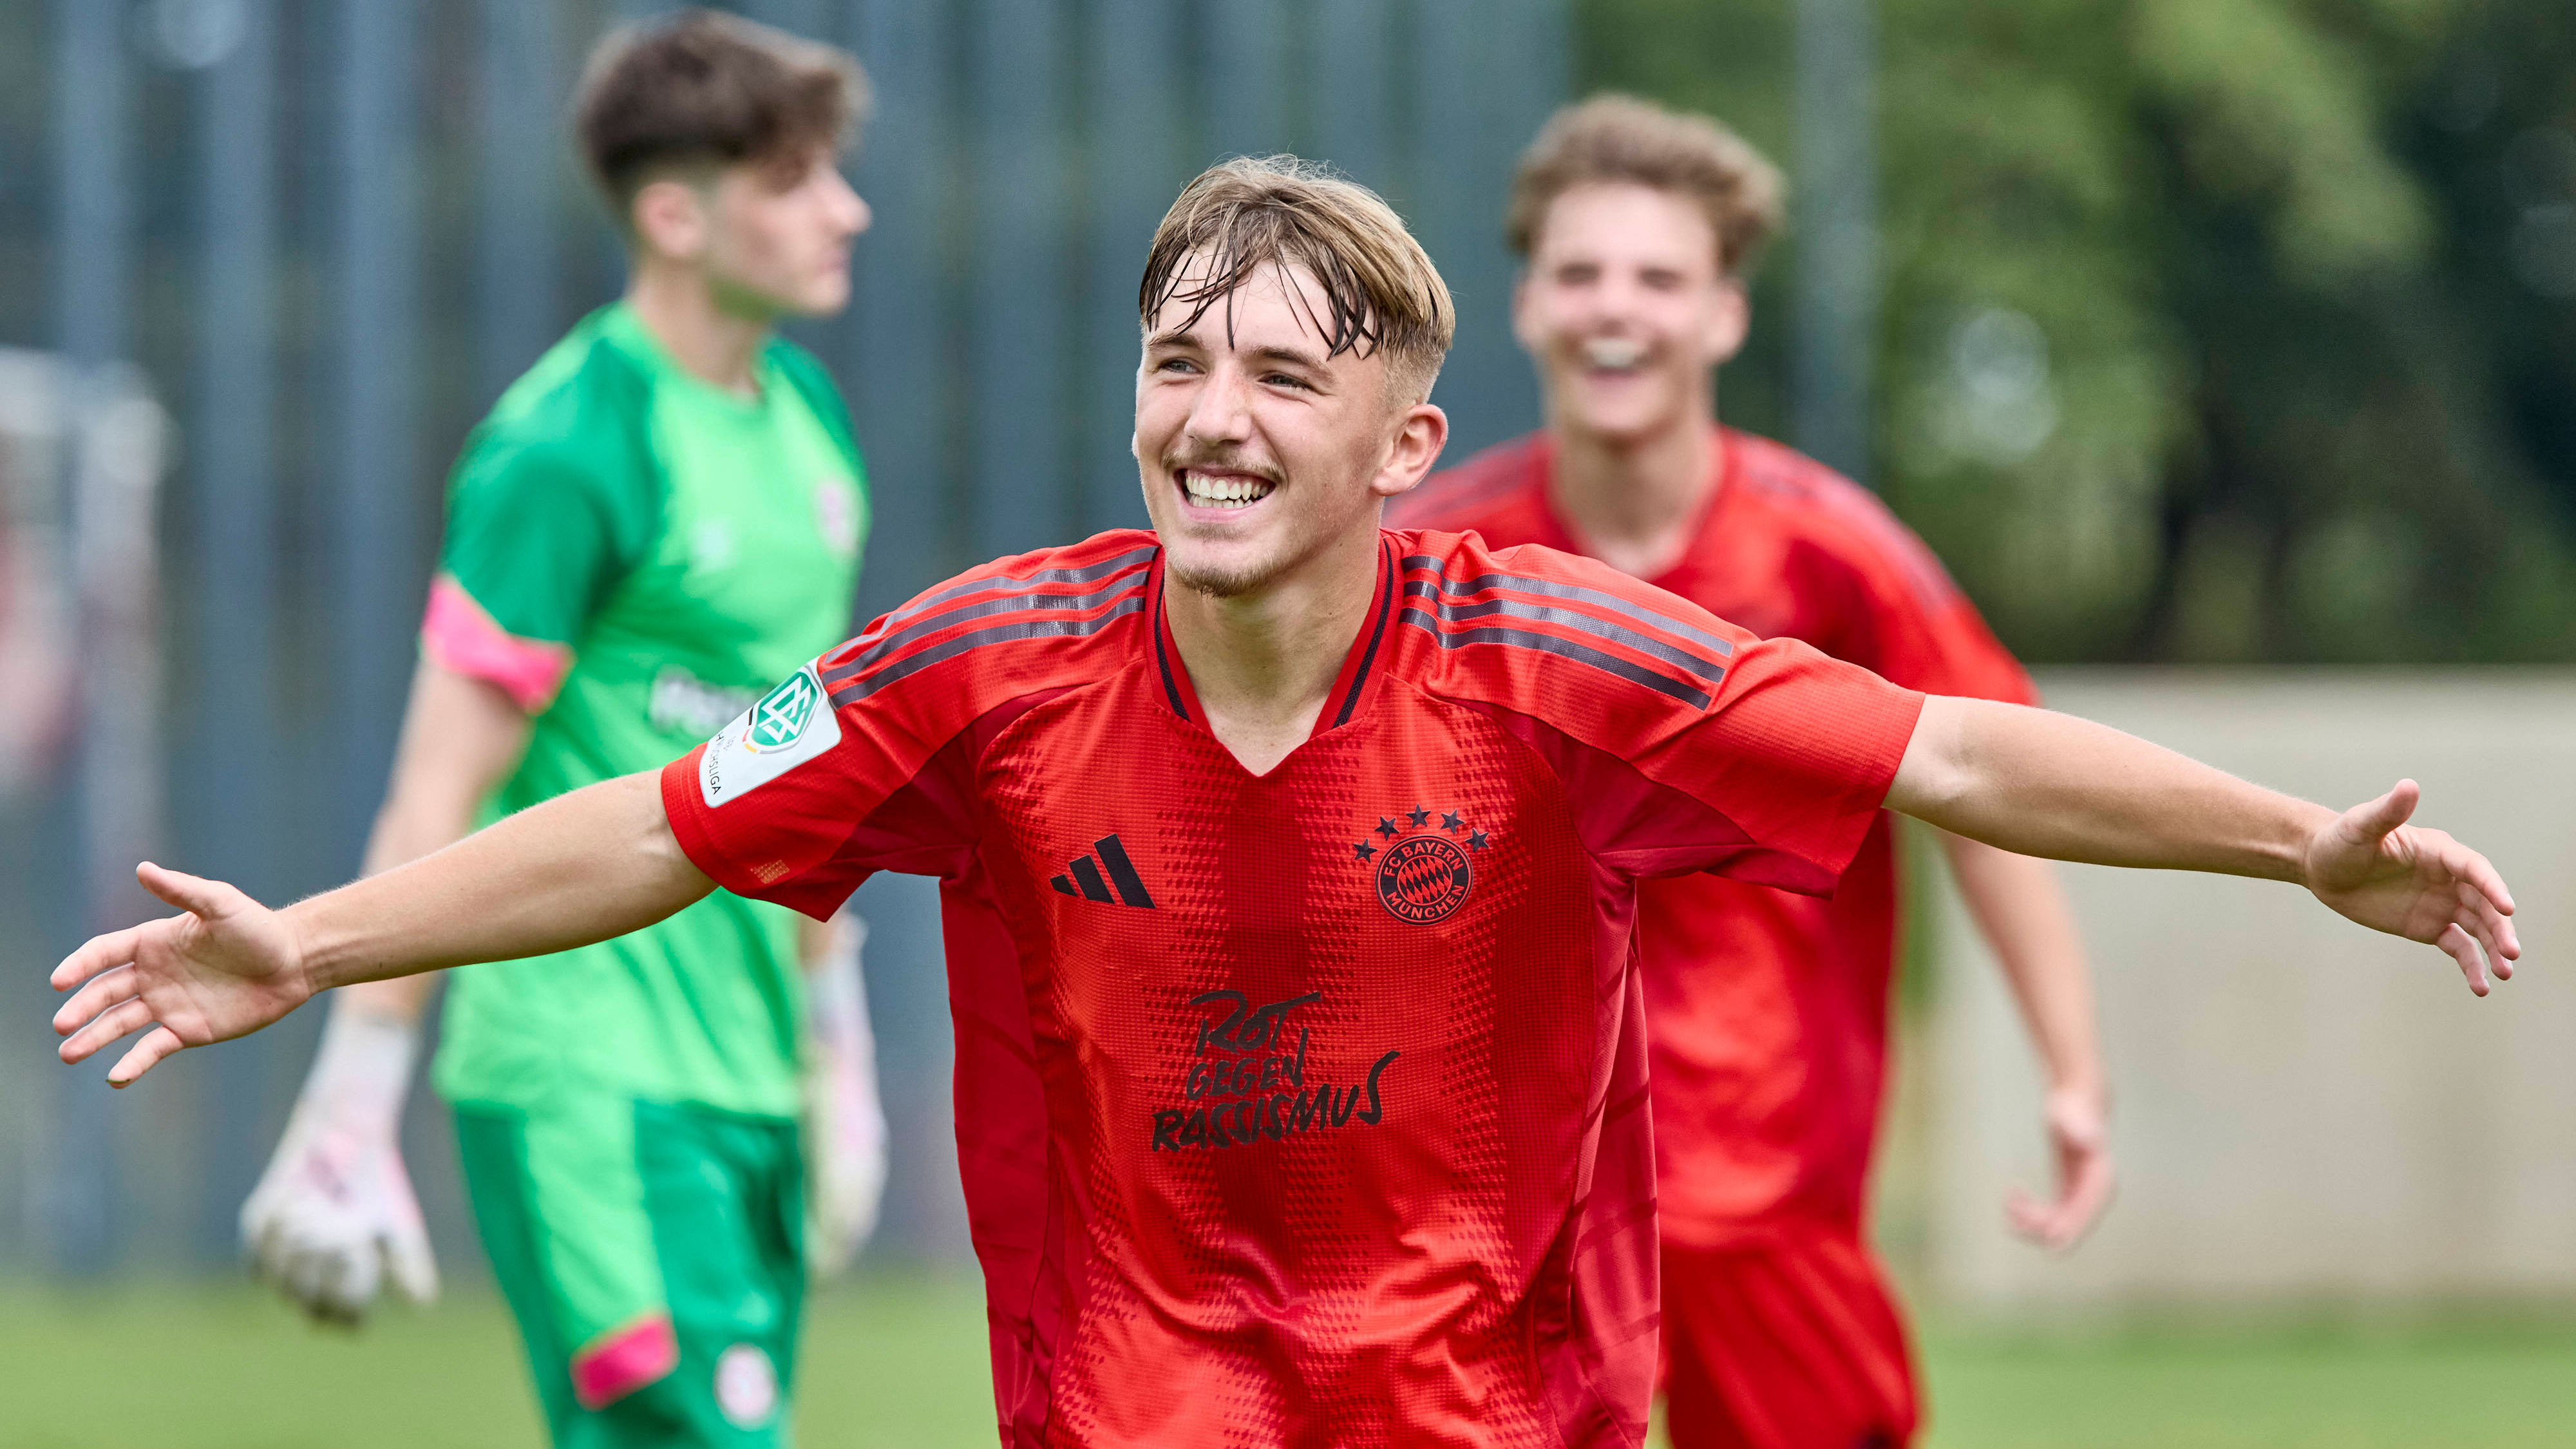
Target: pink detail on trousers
[[618, 1363]]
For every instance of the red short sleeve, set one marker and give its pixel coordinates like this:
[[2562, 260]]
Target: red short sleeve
[[1685, 742], [1798, 751], [765, 807], [862, 760]]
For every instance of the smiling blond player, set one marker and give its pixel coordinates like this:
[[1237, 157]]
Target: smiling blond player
[[1288, 866]]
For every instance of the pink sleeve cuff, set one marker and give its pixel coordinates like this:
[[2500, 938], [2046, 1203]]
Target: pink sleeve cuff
[[464, 639], [622, 1360]]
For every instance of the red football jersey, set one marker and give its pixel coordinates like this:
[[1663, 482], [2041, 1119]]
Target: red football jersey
[[1304, 1107], [1767, 1013]]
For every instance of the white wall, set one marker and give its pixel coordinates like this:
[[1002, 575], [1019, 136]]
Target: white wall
[[2303, 1110]]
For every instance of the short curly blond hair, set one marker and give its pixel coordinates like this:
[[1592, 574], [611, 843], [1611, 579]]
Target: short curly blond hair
[[1612, 138]]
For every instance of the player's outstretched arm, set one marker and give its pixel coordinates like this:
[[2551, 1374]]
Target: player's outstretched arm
[[2040, 783], [582, 867]]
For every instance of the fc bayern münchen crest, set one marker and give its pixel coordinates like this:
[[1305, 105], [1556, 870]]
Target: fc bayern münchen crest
[[1423, 873]]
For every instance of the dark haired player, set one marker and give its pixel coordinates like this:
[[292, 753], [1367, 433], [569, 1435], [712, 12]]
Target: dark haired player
[[1767, 1012], [1289, 867], [655, 525]]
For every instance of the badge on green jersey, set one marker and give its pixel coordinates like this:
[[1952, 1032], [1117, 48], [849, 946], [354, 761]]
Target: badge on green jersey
[[790, 725]]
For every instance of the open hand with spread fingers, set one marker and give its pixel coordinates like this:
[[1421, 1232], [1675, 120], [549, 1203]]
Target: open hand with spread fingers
[[2373, 867], [225, 967]]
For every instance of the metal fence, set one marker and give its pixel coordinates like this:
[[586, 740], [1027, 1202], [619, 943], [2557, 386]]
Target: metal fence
[[329, 231]]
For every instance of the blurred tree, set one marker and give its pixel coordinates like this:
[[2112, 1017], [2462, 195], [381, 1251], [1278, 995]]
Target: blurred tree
[[2214, 329]]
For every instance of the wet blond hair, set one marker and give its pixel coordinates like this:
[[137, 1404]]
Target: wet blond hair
[[1382, 292]]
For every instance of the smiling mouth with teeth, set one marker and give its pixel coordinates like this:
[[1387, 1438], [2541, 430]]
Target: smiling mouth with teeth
[[1218, 490], [1614, 354]]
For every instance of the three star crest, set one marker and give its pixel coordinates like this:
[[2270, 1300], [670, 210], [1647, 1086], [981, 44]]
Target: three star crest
[[1452, 821]]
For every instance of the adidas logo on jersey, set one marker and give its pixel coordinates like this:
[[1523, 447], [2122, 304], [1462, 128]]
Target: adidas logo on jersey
[[1083, 877]]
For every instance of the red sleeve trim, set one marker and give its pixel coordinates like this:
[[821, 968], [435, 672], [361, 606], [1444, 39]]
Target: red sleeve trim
[[461, 637], [1885, 719], [687, 811]]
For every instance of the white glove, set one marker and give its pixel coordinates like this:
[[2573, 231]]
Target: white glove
[[845, 1125], [334, 1215]]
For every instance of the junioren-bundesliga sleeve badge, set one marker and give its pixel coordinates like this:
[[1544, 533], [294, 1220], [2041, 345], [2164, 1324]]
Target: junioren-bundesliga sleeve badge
[[790, 725]]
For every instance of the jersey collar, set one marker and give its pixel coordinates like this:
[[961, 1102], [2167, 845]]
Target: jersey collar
[[1360, 667], [627, 333], [1175, 679]]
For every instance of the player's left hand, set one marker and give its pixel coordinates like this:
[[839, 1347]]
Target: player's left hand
[[225, 967], [2373, 867], [2079, 1137], [845, 1126]]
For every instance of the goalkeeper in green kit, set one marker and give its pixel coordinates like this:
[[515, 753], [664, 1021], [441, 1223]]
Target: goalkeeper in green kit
[[656, 524]]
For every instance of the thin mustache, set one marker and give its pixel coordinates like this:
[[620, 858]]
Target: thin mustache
[[1175, 462]]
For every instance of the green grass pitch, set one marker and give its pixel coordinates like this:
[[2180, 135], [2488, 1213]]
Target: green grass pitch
[[899, 1361]]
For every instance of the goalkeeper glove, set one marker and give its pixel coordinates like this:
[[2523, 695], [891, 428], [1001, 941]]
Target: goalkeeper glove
[[845, 1126], [334, 1216]]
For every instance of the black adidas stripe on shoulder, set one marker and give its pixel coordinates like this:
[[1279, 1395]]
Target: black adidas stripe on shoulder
[[992, 583], [1429, 606], [883, 660]]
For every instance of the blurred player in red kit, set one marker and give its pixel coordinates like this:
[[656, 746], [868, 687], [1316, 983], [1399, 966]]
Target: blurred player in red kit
[[1766, 1012]]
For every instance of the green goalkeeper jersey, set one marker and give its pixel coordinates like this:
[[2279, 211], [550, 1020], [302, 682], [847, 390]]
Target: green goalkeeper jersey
[[636, 555]]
